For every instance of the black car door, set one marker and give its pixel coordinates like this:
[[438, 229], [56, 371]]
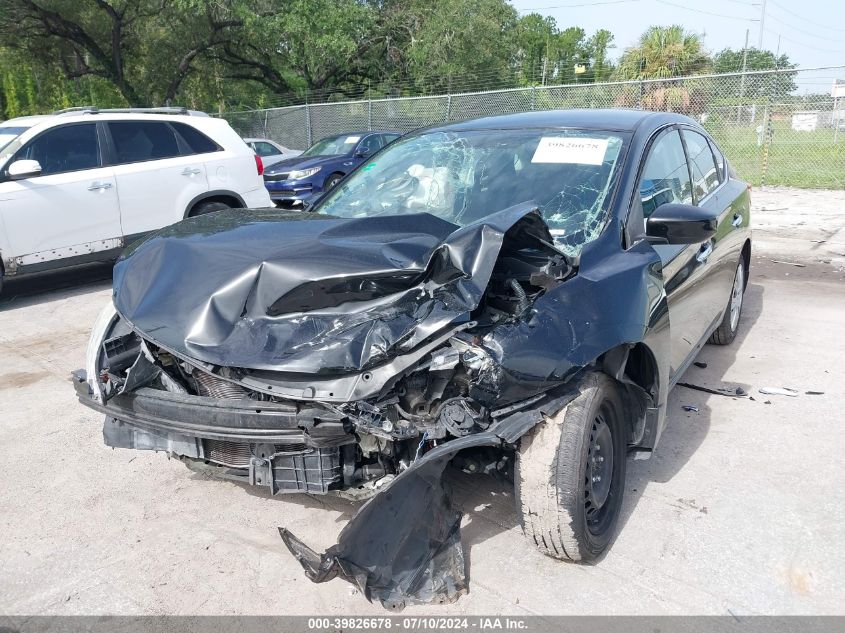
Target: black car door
[[714, 191], [666, 178]]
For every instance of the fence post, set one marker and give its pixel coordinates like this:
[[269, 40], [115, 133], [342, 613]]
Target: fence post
[[369, 112], [308, 124], [533, 98], [768, 131], [448, 107], [265, 123]]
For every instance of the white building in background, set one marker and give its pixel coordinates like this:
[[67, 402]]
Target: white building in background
[[805, 121], [838, 94]]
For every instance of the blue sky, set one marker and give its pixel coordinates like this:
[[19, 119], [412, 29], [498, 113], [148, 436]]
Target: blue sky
[[812, 31]]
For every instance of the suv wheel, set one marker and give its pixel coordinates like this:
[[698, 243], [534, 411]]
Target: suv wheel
[[207, 207], [726, 332], [570, 474]]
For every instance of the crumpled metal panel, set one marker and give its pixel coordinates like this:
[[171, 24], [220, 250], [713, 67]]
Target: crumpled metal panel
[[306, 293]]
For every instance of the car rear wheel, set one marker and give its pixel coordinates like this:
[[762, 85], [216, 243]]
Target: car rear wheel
[[726, 332], [332, 181], [570, 474], [207, 207]]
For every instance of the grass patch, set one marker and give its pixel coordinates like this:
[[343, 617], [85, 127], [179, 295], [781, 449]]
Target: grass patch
[[808, 160]]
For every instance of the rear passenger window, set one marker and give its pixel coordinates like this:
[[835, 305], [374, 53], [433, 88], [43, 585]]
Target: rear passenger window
[[665, 177], [705, 176], [64, 149], [265, 149], [198, 142], [136, 141], [720, 161]]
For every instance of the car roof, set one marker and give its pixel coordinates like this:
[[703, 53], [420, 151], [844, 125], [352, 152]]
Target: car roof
[[26, 120], [363, 133], [619, 119], [80, 115]]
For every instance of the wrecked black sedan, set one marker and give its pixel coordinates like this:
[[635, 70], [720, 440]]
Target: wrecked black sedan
[[514, 294]]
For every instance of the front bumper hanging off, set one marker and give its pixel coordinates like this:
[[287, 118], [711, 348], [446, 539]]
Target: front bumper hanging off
[[285, 447]]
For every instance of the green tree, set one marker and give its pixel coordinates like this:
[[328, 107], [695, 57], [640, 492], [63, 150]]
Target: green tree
[[731, 61], [461, 44], [598, 47], [664, 51], [144, 48], [533, 34], [541, 47]]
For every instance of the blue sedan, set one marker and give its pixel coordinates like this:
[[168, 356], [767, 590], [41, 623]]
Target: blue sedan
[[302, 179]]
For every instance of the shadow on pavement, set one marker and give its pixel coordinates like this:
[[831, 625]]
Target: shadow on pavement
[[52, 286], [681, 438]]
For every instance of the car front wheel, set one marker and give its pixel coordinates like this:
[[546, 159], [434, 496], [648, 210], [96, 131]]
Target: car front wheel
[[331, 181], [570, 474]]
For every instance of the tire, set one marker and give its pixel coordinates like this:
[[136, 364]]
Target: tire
[[563, 513], [331, 181], [207, 207], [726, 332]]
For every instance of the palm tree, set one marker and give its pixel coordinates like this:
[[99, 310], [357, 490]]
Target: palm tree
[[663, 52]]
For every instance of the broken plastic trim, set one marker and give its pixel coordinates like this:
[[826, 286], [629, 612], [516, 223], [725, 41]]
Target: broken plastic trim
[[404, 545]]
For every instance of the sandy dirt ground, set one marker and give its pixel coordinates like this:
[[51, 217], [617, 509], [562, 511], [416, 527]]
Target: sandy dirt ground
[[740, 511]]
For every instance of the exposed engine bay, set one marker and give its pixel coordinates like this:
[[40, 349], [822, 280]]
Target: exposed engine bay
[[449, 388]]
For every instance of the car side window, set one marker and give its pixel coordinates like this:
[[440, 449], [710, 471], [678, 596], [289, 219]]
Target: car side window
[[720, 161], [705, 176], [389, 138], [265, 149], [197, 142], [369, 145], [138, 141], [63, 149], [665, 176]]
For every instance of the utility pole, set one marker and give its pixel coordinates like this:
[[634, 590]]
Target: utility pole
[[742, 78], [762, 24]]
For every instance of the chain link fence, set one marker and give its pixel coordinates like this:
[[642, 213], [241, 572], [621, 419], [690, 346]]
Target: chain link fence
[[783, 127]]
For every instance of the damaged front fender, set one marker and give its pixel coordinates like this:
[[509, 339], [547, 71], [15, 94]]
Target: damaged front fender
[[403, 546]]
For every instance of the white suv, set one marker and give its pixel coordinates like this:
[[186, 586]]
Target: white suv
[[77, 186]]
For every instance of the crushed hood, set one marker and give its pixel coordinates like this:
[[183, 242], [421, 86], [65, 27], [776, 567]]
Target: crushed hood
[[308, 293]]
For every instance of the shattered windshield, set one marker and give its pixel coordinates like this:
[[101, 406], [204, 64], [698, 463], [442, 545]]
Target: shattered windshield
[[464, 176], [333, 146]]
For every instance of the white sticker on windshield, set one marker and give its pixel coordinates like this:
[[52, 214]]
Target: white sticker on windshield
[[352, 139], [572, 149]]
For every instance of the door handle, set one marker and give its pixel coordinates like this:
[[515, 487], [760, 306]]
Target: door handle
[[99, 186], [191, 171], [704, 253], [737, 221]]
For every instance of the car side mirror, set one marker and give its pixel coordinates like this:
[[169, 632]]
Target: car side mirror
[[21, 169], [673, 223]]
